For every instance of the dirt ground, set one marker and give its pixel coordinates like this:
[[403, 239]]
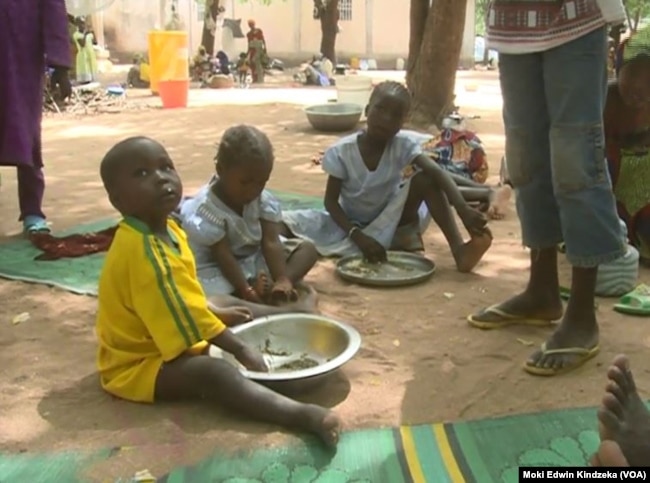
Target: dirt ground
[[420, 361]]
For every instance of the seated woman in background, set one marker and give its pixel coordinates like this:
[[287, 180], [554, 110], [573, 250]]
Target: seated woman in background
[[627, 139]]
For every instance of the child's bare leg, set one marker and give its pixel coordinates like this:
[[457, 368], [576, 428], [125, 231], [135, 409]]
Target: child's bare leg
[[307, 303], [466, 255], [301, 261], [217, 381]]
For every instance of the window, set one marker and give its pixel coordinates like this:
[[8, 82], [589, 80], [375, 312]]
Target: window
[[345, 10]]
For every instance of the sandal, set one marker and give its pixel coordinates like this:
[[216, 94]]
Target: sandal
[[35, 224], [496, 318], [637, 302], [583, 355]]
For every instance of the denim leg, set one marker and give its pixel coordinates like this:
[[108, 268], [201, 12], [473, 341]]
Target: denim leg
[[528, 151], [575, 79]]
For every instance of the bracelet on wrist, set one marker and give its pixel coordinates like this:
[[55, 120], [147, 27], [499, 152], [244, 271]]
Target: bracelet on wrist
[[352, 231]]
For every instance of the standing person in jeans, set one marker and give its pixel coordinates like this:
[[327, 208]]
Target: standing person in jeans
[[33, 36], [553, 68]]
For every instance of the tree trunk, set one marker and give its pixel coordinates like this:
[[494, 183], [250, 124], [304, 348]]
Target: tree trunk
[[434, 73], [207, 38], [328, 11], [418, 21]]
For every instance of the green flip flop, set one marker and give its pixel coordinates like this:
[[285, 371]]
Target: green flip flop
[[636, 302]]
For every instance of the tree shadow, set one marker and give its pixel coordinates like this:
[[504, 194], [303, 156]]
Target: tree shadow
[[84, 406]]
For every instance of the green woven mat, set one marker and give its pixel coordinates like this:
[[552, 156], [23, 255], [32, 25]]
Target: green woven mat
[[81, 275], [482, 451]]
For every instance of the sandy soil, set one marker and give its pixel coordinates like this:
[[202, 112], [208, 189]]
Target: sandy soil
[[429, 366]]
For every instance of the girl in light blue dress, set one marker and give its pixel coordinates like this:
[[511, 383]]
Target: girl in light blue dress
[[233, 226], [382, 190]]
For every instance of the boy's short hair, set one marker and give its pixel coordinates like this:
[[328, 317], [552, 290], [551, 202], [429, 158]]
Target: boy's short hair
[[118, 155]]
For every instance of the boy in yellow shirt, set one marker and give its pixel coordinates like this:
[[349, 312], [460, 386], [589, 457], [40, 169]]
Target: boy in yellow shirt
[[154, 323]]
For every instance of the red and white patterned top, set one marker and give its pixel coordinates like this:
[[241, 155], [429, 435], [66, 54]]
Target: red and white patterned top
[[529, 26]]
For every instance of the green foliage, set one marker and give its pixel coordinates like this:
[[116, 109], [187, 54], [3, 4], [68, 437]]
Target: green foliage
[[481, 15]]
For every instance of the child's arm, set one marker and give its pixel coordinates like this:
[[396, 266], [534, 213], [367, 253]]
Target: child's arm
[[332, 205], [231, 270], [245, 354], [273, 251], [443, 180], [371, 248], [473, 220]]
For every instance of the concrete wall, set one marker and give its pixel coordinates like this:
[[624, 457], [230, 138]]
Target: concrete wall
[[377, 29]]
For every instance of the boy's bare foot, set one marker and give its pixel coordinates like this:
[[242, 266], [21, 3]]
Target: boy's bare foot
[[323, 423], [469, 254], [623, 417], [609, 454], [499, 200]]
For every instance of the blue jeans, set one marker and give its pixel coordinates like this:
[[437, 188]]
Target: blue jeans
[[553, 106]]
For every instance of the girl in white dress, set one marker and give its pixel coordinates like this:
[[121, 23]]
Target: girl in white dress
[[382, 190], [233, 226]]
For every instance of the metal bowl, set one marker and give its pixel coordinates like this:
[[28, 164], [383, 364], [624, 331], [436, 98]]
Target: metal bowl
[[334, 117], [288, 337]]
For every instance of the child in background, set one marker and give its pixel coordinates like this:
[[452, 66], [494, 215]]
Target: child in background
[[381, 190], [243, 69], [233, 226], [154, 323]]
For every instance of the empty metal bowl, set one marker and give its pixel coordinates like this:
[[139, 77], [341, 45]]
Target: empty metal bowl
[[298, 348], [334, 117]]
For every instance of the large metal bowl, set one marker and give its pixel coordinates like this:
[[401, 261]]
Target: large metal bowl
[[327, 341], [334, 117]]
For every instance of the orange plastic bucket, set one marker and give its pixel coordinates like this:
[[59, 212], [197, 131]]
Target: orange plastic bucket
[[173, 93]]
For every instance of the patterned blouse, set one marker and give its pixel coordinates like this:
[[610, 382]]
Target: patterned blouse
[[529, 26]]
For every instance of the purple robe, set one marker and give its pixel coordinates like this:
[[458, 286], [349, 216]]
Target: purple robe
[[33, 34]]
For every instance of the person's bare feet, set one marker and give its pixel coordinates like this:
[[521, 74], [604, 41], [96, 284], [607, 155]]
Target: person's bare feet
[[307, 299], [499, 200], [470, 253], [609, 454], [262, 286], [623, 417], [323, 423]]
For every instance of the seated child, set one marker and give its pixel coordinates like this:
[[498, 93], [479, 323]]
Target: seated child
[[154, 323], [233, 226], [381, 190]]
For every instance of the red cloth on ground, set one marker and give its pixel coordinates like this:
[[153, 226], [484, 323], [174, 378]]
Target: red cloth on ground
[[72, 246]]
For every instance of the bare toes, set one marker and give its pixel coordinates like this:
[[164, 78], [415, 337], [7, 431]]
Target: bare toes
[[609, 422]]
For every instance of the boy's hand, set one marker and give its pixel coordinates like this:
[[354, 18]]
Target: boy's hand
[[283, 291], [474, 221], [372, 250], [232, 316], [252, 359]]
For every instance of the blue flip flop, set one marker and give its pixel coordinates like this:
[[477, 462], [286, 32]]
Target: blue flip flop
[[35, 224]]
